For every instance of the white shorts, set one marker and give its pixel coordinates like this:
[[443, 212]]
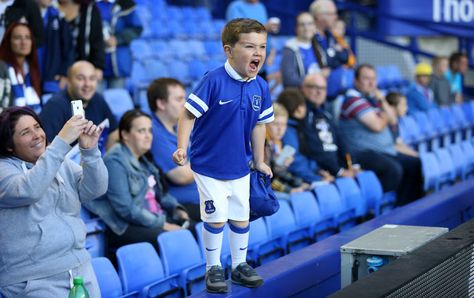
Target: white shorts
[[221, 200]]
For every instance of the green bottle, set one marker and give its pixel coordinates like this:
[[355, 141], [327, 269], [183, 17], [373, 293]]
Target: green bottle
[[78, 291]]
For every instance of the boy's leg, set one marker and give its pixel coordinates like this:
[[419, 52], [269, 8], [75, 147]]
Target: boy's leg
[[214, 205], [239, 209]]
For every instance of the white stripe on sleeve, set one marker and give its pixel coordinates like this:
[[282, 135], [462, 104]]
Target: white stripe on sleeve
[[266, 112], [193, 110], [199, 101]]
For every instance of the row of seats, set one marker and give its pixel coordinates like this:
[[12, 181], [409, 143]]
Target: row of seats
[[307, 217], [438, 127], [444, 166]]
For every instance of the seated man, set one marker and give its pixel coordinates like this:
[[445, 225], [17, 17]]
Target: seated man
[[81, 85], [364, 125], [166, 98], [320, 134]]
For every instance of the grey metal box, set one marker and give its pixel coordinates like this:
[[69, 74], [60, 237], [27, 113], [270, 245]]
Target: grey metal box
[[388, 242]]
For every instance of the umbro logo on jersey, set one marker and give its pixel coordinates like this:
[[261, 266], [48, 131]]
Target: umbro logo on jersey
[[222, 102]]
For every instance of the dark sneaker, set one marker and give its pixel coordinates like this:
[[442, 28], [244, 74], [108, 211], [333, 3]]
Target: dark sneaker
[[215, 280], [246, 276]]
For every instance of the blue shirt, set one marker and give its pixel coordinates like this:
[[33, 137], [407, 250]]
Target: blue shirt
[[243, 9], [226, 108], [163, 146]]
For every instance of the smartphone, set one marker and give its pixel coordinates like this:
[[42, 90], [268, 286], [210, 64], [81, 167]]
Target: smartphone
[[287, 152], [77, 108]]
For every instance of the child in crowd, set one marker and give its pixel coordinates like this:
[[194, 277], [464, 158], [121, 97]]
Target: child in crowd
[[293, 101], [399, 103], [226, 113], [283, 181]]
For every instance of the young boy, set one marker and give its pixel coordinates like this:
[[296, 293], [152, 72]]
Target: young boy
[[227, 113]]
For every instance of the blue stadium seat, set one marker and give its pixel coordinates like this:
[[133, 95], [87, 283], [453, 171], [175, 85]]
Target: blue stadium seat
[[431, 171], [119, 101], [307, 215], [197, 69], [95, 237], [154, 69], [446, 166], [108, 279], [181, 50], [261, 248], [226, 260], [181, 255], [351, 195], [283, 230], [198, 50], [174, 13], [213, 48], [427, 129], [437, 120], [161, 49], [332, 206], [140, 269], [468, 150], [371, 189], [454, 126], [160, 29], [459, 160], [411, 133], [140, 49], [180, 70]]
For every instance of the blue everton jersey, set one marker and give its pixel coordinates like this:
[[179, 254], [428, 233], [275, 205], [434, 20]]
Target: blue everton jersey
[[226, 108]]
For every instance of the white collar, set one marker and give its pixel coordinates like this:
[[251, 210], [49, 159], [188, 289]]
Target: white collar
[[233, 74]]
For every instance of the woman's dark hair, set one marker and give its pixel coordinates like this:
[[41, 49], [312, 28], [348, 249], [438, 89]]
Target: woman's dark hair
[[7, 55], [125, 123], [8, 120]]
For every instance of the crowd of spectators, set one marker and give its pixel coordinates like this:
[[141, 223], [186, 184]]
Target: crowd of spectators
[[75, 49]]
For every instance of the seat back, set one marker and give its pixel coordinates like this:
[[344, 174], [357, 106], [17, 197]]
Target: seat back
[[138, 266], [430, 170], [258, 232], [371, 189], [119, 101], [281, 222], [108, 279], [305, 208], [330, 203], [446, 165], [351, 195], [179, 250]]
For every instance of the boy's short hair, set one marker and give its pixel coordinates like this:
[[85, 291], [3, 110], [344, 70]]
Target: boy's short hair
[[291, 98], [394, 98], [233, 29], [279, 110], [158, 89]]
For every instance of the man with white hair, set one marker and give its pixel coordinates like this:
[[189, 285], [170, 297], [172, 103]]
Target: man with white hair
[[334, 55]]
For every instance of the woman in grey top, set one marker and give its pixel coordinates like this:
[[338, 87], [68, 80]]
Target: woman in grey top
[[41, 191]]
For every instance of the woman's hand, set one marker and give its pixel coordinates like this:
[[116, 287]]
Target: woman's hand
[[72, 129], [90, 136]]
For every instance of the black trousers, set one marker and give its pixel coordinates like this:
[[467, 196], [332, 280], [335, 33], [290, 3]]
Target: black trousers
[[400, 173]]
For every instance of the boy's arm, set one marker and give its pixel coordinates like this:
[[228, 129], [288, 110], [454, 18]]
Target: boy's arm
[[185, 126], [258, 148]]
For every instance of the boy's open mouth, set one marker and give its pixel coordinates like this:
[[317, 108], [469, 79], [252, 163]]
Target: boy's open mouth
[[254, 64]]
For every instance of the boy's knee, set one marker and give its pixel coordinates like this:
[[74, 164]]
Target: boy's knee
[[216, 225], [240, 224]]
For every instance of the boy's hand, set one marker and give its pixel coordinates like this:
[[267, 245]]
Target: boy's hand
[[263, 168], [179, 156]]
